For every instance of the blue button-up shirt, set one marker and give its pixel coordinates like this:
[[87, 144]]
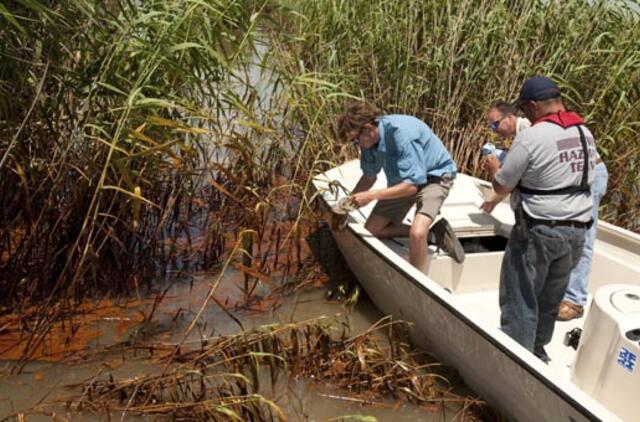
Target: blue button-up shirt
[[408, 151]]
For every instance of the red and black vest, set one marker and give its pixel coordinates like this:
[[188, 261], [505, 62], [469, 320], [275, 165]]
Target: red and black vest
[[566, 119]]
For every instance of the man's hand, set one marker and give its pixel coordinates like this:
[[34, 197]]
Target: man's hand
[[491, 164], [488, 206], [362, 198]]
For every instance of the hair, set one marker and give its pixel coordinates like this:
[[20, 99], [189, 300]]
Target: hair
[[554, 100], [503, 107], [355, 116]]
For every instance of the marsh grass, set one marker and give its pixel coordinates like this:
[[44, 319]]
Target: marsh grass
[[136, 149], [445, 61], [111, 112], [224, 378]]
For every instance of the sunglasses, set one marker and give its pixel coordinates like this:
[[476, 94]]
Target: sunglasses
[[495, 124]]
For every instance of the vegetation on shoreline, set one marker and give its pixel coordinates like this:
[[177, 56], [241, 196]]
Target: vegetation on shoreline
[[446, 61], [236, 377], [116, 116], [109, 111], [133, 143]]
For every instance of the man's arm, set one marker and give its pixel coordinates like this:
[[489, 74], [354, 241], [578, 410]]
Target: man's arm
[[338, 219], [401, 190], [500, 190], [506, 178], [499, 193], [488, 206], [364, 184], [492, 165]]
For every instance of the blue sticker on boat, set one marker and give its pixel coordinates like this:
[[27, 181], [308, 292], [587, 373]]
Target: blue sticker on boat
[[627, 359]]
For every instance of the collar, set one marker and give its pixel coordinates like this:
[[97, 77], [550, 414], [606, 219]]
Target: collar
[[563, 119], [522, 123]]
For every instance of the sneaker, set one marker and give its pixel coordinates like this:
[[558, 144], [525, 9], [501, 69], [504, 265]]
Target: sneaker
[[569, 311], [446, 240]]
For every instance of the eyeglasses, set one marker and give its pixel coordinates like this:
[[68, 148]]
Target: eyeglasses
[[495, 124]]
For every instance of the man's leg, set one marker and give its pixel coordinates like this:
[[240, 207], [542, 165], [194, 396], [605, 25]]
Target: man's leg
[[579, 279], [429, 202], [386, 218], [564, 244], [522, 271], [384, 227], [418, 240]]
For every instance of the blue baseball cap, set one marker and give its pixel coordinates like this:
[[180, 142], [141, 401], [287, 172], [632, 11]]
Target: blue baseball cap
[[538, 88]]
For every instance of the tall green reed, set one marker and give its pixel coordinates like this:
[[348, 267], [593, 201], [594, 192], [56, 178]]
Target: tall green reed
[[106, 166], [446, 61]]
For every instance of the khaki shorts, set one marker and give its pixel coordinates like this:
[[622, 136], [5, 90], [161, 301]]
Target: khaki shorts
[[428, 201]]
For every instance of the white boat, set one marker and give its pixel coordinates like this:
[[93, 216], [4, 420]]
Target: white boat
[[455, 309]]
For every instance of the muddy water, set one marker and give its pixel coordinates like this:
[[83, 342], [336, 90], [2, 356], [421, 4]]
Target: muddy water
[[49, 385]]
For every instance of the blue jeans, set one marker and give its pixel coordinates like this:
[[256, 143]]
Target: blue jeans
[[577, 290], [533, 279]]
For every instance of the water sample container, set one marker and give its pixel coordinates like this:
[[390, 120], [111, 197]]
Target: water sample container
[[489, 148]]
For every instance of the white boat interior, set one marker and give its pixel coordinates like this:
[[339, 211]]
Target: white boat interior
[[473, 285]]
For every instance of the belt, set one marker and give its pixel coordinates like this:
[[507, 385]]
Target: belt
[[438, 179], [559, 223]]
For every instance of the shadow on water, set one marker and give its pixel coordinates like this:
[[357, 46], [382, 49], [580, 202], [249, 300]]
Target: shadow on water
[[341, 280]]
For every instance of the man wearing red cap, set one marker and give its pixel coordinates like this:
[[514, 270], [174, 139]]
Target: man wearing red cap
[[549, 171]]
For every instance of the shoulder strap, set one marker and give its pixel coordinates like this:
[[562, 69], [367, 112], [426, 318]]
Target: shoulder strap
[[584, 183]]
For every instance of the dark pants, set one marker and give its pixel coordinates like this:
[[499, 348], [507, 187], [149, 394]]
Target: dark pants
[[534, 276]]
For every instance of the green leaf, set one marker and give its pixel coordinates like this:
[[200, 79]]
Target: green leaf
[[154, 102], [134, 195], [12, 20], [112, 88], [184, 46]]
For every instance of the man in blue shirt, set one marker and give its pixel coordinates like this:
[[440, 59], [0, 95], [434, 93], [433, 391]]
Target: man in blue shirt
[[419, 171]]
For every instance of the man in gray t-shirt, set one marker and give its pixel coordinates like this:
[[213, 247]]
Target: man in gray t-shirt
[[548, 170], [548, 156]]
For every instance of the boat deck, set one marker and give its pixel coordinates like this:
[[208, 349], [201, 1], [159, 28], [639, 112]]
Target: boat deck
[[484, 307], [475, 283]]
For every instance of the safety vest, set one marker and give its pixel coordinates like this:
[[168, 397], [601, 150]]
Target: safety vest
[[565, 120]]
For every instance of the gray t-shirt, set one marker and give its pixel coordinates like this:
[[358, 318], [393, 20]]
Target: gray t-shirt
[[547, 157]]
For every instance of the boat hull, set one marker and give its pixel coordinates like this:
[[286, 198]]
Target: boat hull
[[494, 370]]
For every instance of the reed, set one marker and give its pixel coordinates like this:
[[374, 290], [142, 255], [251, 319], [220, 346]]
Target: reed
[[224, 378], [106, 162], [446, 61], [136, 149], [109, 110]]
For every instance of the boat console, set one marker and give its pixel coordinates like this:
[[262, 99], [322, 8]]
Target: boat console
[[606, 364]]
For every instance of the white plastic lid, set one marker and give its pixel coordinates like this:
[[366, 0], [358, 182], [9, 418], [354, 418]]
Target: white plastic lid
[[626, 301]]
